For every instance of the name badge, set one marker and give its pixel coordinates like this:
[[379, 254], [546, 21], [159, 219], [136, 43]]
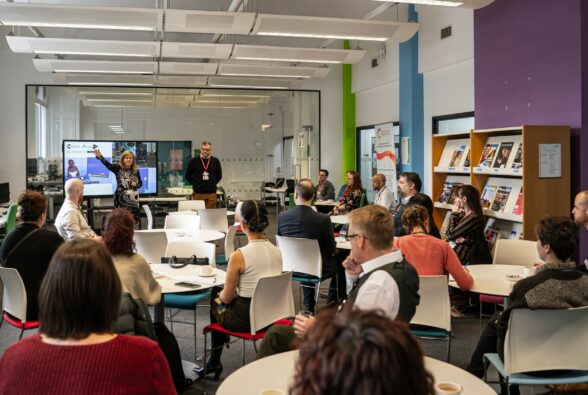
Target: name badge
[[205, 176]]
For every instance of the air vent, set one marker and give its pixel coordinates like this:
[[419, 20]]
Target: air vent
[[374, 62], [445, 32]]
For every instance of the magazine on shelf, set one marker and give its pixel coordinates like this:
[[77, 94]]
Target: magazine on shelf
[[445, 193], [443, 229], [454, 190], [518, 207], [488, 196], [500, 229], [466, 163], [491, 234], [457, 155], [503, 154], [488, 155], [500, 198], [518, 159]]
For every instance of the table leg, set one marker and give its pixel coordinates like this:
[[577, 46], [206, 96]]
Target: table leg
[[159, 311]]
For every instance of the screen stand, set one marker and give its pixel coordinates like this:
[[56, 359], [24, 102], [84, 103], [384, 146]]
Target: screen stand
[[90, 211]]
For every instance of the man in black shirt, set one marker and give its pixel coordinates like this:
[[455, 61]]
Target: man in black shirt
[[204, 172]]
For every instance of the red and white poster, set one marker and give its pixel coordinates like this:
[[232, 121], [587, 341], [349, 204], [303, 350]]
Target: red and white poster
[[386, 154]]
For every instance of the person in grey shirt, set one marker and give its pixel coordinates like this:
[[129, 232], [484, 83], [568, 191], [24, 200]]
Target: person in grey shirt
[[70, 221], [324, 189]]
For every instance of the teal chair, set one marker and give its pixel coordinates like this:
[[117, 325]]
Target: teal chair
[[363, 199], [10, 220]]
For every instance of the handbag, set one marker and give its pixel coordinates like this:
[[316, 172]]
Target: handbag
[[178, 263]]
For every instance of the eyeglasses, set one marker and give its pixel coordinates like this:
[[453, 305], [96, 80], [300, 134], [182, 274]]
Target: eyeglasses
[[348, 237]]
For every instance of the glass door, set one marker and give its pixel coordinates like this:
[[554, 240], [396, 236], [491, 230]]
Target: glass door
[[366, 158]]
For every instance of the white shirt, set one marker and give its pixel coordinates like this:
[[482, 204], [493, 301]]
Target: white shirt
[[384, 198], [380, 290], [71, 223], [262, 259]]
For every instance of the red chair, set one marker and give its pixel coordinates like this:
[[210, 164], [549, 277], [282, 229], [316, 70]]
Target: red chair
[[14, 301]]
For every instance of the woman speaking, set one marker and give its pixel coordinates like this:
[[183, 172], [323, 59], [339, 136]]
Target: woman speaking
[[128, 181]]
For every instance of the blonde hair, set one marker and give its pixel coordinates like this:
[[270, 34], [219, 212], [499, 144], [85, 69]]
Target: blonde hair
[[376, 223], [122, 158]]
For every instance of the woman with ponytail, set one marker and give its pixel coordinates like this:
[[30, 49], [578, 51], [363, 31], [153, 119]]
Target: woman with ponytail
[[258, 259]]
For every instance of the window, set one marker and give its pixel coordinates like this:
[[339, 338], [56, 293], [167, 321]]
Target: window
[[461, 122]]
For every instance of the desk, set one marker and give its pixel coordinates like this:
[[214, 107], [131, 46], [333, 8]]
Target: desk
[[277, 371], [195, 212], [188, 234], [491, 279], [340, 219], [343, 244], [325, 206]]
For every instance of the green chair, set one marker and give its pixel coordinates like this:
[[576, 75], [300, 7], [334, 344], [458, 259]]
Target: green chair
[[10, 220], [363, 200]]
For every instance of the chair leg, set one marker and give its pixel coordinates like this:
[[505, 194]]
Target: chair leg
[[21, 333], [317, 291], [243, 352], [255, 346], [204, 363], [195, 344], [449, 347]]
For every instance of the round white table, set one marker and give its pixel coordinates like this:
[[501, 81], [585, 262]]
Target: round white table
[[330, 203], [195, 212], [180, 234], [277, 371], [491, 279], [340, 219]]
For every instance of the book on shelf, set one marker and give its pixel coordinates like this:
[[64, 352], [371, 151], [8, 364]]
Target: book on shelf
[[500, 198], [503, 154], [488, 155], [518, 207], [491, 234], [457, 155], [496, 230], [518, 159], [449, 192], [445, 225], [488, 196], [466, 163]]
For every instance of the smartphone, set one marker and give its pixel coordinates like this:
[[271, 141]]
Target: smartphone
[[187, 285]]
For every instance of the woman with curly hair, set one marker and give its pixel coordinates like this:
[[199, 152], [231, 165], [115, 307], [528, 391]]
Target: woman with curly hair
[[360, 352], [351, 196], [133, 270]]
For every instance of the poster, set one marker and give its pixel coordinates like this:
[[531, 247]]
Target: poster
[[386, 154], [549, 160]]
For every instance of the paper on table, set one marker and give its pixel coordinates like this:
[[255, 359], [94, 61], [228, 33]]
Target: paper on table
[[194, 279]]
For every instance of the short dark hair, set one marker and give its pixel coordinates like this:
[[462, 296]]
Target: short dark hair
[[414, 216], [80, 293], [472, 196], [326, 171], [32, 205], [119, 229], [560, 233], [367, 353], [412, 178], [254, 215], [422, 200], [305, 189]]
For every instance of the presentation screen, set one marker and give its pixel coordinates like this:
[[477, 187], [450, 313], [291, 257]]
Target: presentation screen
[[80, 162]]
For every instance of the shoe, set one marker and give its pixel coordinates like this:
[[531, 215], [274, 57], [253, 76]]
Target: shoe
[[455, 313], [216, 370]]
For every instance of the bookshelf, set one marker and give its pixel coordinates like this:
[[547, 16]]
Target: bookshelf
[[505, 168]]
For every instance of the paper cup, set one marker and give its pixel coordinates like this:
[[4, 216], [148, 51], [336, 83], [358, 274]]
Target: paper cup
[[448, 388], [205, 270], [529, 271]]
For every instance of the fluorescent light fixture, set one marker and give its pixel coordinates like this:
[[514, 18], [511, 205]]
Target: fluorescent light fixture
[[195, 50], [94, 66], [258, 70], [233, 95], [121, 100], [119, 132], [187, 68], [103, 71], [226, 101], [194, 21], [110, 83], [447, 3], [81, 17], [246, 86], [263, 75], [102, 92], [293, 54], [335, 28]]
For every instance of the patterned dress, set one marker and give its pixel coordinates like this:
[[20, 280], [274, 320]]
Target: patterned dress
[[125, 195]]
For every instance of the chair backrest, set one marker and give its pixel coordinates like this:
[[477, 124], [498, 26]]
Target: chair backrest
[[187, 248], [290, 184], [230, 240], [279, 182], [214, 219], [187, 221], [300, 255], [190, 205], [272, 300], [363, 199], [238, 215], [546, 340], [10, 218], [149, 216], [515, 252], [151, 245], [14, 300], [434, 309]]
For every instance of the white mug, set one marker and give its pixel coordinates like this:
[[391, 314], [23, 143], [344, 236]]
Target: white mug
[[448, 388], [205, 270], [529, 271]]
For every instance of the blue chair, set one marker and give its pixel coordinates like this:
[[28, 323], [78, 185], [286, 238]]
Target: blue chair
[[544, 341]]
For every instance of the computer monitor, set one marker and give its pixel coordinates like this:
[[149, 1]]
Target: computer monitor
[[4, 192]]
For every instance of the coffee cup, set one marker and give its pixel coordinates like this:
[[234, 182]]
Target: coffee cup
[[448, 388], [529, 271], [205, 270]]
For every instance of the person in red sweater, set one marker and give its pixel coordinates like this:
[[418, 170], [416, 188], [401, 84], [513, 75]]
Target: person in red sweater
[[430, 256], [76, 351]]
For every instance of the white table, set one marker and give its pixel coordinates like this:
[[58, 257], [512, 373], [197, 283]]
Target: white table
[[343, 244], [179, 191], [159, 199], [278, 192], [330, 203], [340, 219], [188, 234], [195, 212], [277, 371], [491, 279]]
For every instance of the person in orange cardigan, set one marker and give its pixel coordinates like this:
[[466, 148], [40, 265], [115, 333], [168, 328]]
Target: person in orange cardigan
[[430, 256]]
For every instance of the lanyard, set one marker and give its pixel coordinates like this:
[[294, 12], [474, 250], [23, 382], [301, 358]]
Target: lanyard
[[207, 163]]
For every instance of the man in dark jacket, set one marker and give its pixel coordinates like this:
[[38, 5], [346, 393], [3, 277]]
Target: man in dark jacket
[[302, 221], [204, 173]]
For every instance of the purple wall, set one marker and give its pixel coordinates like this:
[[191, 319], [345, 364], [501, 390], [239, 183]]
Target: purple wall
[[528, 70]]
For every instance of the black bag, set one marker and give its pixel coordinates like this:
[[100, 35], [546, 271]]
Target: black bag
[[178, 263], [479, 253], [169, 345]]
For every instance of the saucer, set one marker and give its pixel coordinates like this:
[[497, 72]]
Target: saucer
[[514, 277], [207, 275]]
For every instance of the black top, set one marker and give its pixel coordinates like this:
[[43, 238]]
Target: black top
[[195, 171], [123, 195], [31, 258]]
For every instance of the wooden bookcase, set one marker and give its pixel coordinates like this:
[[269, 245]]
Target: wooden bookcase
[[541, 196]]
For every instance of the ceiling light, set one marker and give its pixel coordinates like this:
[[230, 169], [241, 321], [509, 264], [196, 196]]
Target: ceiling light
[[293, 54], [448, 3], [113, 83], [246, 86], [258, 70], [94, 66], [285, 60], [226, 101], [194, 21], [121, 100], [195, 50], [233, 95], [263, 75], [103, 71], [115, 93], [82, 17]]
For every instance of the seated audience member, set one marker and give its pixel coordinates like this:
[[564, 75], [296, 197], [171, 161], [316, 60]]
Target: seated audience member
[[360, 352], [302, 221], [580, 214], [424, 200], [556, 285], [429, 255], [258, 259], [378, 278], [70, 221], [409, 184], [384, 196], [133, 270], [76, 351], [351, 196], [324, 189], [29, 248]]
